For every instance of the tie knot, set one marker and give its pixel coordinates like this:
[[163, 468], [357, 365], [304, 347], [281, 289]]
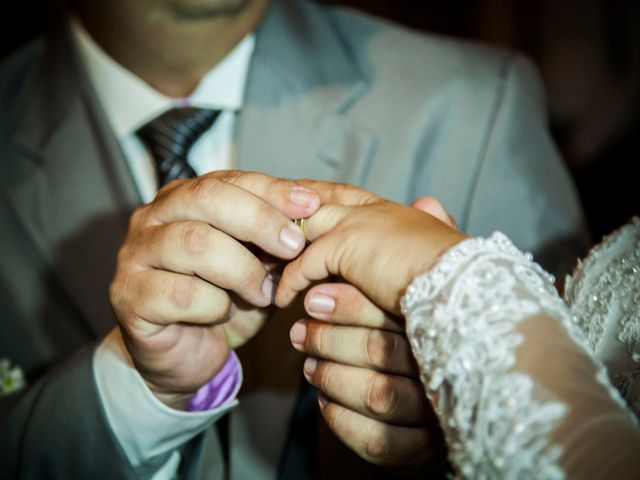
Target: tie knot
[[171, 135]]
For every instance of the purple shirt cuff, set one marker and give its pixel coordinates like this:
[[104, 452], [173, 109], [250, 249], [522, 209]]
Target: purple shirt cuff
[[219, 389]]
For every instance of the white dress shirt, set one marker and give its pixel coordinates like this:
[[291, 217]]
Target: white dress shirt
[[143, 425]]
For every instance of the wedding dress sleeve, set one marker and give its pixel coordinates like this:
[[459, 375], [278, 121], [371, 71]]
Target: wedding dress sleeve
[[604, 298], [509, 373]]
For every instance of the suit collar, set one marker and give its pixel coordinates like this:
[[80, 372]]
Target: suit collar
[[302, 82], [300, 44], [75, 192]]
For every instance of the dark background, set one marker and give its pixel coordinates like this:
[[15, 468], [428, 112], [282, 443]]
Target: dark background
[[588, 52]]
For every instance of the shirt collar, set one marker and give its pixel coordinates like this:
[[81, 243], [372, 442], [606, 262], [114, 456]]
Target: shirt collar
[[129, 102]]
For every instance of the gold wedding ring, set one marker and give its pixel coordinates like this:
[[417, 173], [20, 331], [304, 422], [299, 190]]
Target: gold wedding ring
[[303, 226]]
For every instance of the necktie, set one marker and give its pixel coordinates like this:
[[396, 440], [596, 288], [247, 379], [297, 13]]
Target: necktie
[[171, 135]]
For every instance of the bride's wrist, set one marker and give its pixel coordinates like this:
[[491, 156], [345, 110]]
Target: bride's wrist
[[432, 254]]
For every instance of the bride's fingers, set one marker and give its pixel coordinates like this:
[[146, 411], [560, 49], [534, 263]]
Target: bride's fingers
[[324, 255], [339, 193], [433, 207], [317, 262], [344, 304], [324, 220]]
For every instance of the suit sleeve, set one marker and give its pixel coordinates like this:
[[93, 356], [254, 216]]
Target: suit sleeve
[[146, 428], [57, 429], [67, 425], [521, 186]]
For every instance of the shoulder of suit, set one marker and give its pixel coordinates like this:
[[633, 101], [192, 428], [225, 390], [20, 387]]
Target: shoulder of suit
[[413, 58]]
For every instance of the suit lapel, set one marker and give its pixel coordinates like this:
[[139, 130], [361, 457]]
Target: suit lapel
[[76, 193], [301, 82]]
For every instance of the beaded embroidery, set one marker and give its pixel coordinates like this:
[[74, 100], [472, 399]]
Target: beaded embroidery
[[605, 289], [461, 319]]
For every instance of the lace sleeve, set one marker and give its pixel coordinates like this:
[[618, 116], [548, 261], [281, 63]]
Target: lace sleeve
[[507, 371], [603, 295]]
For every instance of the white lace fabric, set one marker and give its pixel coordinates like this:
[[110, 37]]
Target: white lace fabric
[[604, 298], [508, 373]]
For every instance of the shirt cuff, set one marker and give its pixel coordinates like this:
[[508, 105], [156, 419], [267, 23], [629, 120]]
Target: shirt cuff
[[219, 389], [144, 426]]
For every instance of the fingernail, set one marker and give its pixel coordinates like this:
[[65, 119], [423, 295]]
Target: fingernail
[[269, 288], [319, 303], [304, 197], [322, 401], [292, 237], [298, 334], [310, 365]]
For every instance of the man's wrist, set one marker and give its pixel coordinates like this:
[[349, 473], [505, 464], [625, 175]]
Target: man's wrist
[[219, 389], [144, 426], [216, 392]]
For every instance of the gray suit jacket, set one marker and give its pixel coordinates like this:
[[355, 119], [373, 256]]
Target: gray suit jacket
[[331, 94]]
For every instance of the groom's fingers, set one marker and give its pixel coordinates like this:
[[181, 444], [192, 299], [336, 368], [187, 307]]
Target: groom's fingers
[[344, 304], [373, 349], [381, 443], [388, 398]]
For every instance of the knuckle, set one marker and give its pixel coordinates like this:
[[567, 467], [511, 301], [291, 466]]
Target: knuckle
[[223, 309], [231, 176], [263, 218], [381, 398], [343, 188], [377, 446], [194, 237], [248, 273], [335, 189], [136, 217], [168, 192], [170, 186], [318, 341], [323, 378], [180, 290], [251, 278], [204, 188], [124, 254], [381, 346], [165, 191], [333, 415], [116, 293], [120, 294]]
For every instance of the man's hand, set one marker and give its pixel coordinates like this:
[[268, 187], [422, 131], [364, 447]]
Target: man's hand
[[370, 393], [188, 286]]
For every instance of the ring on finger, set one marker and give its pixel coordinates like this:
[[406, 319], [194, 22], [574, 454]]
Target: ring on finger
[[301, 222]]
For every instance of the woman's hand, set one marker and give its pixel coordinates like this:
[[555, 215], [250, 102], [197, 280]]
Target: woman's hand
[[359, 359], [377, 245], [370, 393]]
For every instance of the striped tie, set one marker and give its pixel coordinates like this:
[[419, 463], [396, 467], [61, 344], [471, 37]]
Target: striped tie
[[170, 136]]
